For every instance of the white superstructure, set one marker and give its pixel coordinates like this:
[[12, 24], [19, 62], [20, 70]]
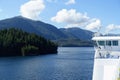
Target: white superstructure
[[107, 58]]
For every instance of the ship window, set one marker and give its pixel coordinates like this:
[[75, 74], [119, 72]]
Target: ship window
[[108, 43], [101, 43], [115, 43]]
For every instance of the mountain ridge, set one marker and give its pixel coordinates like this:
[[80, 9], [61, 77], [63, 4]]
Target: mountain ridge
[[77, 33], [47, 30], [32, 26]]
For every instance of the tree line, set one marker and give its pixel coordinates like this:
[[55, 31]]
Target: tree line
[[16, 42]]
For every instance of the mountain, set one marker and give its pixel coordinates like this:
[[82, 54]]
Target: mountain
[[74, 43], [111, 34], [77, 33], [49, 31], [46, 30]]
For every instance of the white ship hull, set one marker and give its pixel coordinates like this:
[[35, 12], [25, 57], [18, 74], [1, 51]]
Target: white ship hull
[[107, 58], [106, 69]]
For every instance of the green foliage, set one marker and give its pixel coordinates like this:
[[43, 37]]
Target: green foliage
[[26, 50], [14, 42]]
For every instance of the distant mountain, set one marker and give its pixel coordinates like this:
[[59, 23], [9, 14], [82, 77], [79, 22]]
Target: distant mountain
[[74, 43], [46, 30], [110, 34], [77, 33]]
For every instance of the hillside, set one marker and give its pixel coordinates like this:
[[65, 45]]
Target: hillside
[[77, 33], [15, 42], [48, 31], [74, 43], [43, 29]]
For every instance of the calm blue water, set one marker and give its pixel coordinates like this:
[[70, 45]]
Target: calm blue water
[[69, 64]]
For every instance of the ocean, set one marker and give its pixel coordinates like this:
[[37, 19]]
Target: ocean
[[71, 63]]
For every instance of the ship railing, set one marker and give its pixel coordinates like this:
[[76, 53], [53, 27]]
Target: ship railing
[[106, 54]]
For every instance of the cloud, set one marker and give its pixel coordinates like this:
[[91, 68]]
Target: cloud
[[112, 27], [70, 2], [32, 9], [93, 24], [76, 19], [70, 17]]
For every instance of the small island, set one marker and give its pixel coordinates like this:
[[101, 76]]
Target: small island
[[16, 42]]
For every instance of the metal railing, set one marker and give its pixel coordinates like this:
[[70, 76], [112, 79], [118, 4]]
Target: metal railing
[[106, 54]]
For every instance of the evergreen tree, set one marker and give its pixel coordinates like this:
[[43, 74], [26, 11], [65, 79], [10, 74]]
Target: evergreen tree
[[15, 42]]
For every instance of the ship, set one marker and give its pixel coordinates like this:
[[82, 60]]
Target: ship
[[106, 57]]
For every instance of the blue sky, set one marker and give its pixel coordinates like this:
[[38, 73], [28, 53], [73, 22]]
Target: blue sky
[[86, 14]]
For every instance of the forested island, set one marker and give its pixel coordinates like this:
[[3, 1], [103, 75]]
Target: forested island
[[16, 42]]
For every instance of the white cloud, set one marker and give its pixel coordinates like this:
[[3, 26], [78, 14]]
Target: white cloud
[[70, 2], [112, 27], [93, 24], [32, 9], [76, 19], [70, 17]]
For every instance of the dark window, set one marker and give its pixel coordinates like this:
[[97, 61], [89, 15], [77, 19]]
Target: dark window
[[108, 43], [101, 43], [115, 43]]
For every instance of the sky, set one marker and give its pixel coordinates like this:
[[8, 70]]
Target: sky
[[91, 15]]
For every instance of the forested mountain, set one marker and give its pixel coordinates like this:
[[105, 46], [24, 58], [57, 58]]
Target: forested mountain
[[15, 42], [77, 33], [48, 31], [43, 29], [74, 43]]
